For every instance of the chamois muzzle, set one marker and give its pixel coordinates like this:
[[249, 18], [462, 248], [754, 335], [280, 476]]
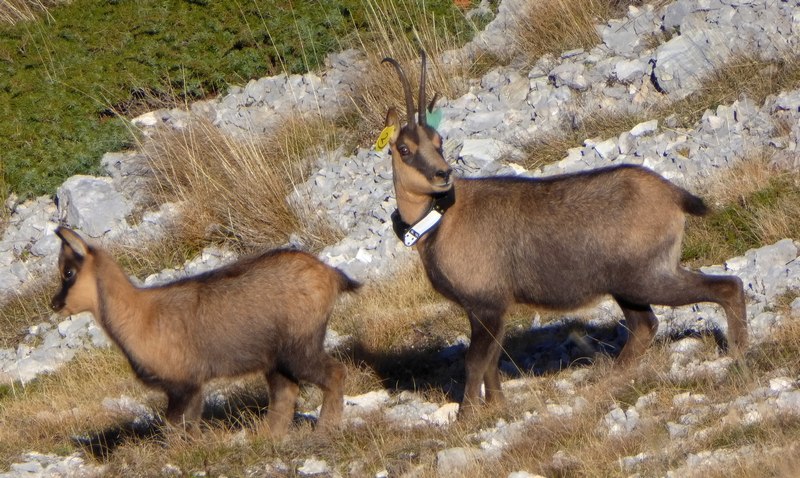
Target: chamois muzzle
[[444, 175], [57, 302]]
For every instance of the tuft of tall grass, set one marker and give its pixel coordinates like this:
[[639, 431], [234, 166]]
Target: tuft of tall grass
[[550, 27], [235, 189], [13, 11], [555, 26], [399, 30], [25, 309], [404, 313]]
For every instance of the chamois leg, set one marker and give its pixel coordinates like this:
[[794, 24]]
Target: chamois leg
[[642, 325], [687, 287], [333, 395], [328, 374], [184, 405], [491, 379], [283, 393], [481, 359]]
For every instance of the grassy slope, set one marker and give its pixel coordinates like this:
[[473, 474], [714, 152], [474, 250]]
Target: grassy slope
[[37, 419], [63, 78]]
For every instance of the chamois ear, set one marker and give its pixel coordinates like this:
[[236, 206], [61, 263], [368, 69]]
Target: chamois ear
[[72, 240], [392, 121], [433, 102]]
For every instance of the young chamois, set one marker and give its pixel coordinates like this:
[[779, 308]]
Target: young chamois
[[266, 313], [558, 243]]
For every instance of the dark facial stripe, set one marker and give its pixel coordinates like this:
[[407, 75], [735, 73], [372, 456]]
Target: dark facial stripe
[[410, 137], [69, 260]]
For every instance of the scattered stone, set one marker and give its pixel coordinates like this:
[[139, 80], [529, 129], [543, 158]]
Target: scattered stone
[[645, 128], [523, 474], [312, 467], [453, 461], [41, 465], [620, 422], [444, 415]]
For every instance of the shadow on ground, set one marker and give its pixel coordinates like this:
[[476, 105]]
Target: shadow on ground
[[436, 366], [542, 350], [232, 410]]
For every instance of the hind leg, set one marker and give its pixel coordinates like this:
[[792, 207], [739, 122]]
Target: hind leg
[[283, 393], [687, 287], [328, 374], [731, 291], [333, 395], [642, 325]]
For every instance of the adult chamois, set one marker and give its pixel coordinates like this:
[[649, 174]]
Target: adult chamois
[[559, 243], [265, 313]]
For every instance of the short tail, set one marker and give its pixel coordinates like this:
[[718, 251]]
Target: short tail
[[346, 284], [692, 204]]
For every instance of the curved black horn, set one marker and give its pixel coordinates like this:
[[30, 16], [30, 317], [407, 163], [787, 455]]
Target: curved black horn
[[421, 102], [406, 89]]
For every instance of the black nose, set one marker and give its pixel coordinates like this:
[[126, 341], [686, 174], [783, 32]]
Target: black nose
[[444, 175], [57, 302]]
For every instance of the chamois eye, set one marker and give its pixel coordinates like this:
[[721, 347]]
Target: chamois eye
[[69, 273], [403, 149]]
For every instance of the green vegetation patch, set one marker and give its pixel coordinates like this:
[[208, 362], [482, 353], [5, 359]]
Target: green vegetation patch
[[733, 228], [65, 78]]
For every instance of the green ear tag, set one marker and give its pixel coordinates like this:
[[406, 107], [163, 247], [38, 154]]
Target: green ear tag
[[434, 118], [383, 139]]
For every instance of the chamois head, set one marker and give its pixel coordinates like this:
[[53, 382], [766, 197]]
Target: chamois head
[[419, 166], [78, 291]]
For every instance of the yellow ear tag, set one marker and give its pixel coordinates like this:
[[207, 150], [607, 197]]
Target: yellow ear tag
[[383, 139]]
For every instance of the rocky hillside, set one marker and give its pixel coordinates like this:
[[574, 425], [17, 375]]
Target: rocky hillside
[[655, 56]]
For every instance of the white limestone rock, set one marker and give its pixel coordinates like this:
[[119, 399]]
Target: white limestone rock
[[92, 205]]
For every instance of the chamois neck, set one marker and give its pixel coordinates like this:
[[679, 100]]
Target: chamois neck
[[118, 299], [412, 207]]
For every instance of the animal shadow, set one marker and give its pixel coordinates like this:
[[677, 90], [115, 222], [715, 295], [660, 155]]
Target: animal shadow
[[541, 350], [232, 410]]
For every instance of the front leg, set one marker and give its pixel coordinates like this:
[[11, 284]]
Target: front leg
[[184, 405], [482, 357]]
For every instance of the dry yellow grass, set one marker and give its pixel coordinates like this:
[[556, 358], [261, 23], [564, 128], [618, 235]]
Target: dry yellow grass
[[400, 313], [13, 11], [380, 88], [235, 189], [552, 147], [46, 414], [754, 203], [25, 309], [554, 26], [740, 77]]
